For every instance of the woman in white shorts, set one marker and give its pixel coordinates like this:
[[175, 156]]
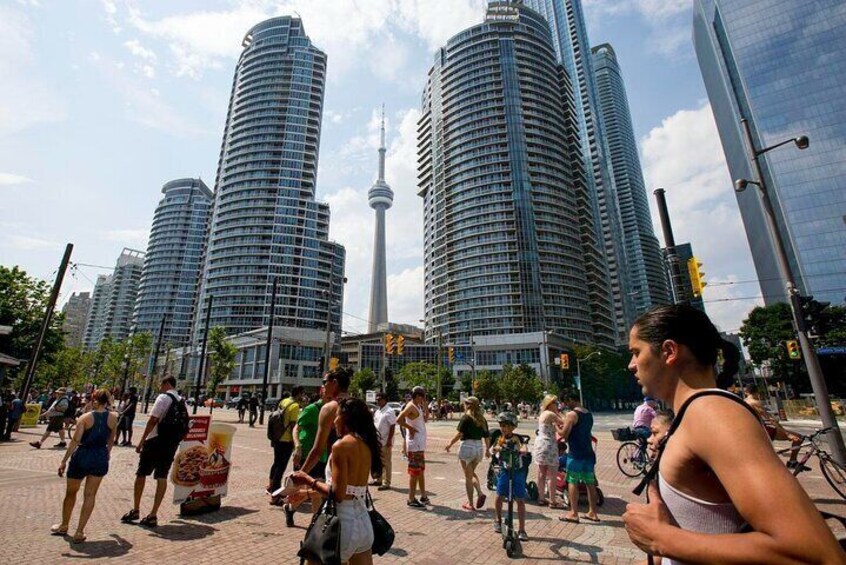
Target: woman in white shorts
[[354, 456], [474, 437]]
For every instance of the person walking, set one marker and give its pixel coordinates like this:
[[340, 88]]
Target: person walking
[[545, 451], [280, 427], [717, 472], [413, 419], [385, 421], [474, 435], [127, 416], [643, 415], [157, 449], [242, 408], [773, 427], [254, 406], [581, 460], [55, 416], [355, 455], [88, 452], [16, 412], [305, 432]]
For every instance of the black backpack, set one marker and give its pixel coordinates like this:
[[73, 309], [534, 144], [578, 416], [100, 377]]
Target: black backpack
[[173, 427], [276, 425]]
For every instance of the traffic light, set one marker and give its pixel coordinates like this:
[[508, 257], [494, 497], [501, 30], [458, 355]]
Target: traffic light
[[793, 350], [565, 361], [389, 344], [451, 355], [696, 282], [400, 344], [333, 363]]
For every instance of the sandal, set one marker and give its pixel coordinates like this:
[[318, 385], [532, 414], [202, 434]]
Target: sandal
[[480, 501], [425, 500], [58, 530], [570, 519], [543, 502], [589, 519], [78, 538], [130, 516], [150, 521]]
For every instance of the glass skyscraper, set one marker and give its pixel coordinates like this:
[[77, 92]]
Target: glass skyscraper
[[780, 64], [266, 223], [113, 301], [503, 185], [647, 275], [572, 48], [174, 261]]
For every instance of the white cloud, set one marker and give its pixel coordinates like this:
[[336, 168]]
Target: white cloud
[[134, 46], [667, 20], [405, 290], [24, 100], [684, 156], [28, 243], [8, 179], [134, 238]]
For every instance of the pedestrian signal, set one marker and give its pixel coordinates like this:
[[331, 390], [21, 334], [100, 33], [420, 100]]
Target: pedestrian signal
[[565, 361], [400, 344], [793, 350], [389, 344]]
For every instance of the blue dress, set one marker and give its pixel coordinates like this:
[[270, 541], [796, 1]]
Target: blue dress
[[92, 456]]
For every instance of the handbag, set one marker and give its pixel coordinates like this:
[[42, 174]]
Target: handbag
[[383, 533], [322, 543]]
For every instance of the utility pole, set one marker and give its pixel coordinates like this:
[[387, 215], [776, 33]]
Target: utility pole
[[267, 352], [673, 262], [203, 353], [155, 362], [438, 376], [45, 324], [327, 346]]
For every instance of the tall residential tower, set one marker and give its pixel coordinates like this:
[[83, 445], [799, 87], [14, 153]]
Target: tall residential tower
[[647, 275], [780, 65], [266, 224], [380, 197]]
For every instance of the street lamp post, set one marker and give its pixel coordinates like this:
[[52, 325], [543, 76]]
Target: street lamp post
[[267, 356], [812, 363], [579, 373]]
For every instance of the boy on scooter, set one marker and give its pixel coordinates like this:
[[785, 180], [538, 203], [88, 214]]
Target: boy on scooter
[[505, 440]]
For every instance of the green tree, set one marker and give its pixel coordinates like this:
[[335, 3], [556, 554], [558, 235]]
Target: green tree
[[114, 359], [520, 383], [487, 386], [419, 374], [23, 300], [362, 381], [605, 377], [221, 359], [70, 367]]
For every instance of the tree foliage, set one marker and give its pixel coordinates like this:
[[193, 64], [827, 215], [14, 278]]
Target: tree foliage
[[362, 381], [419, 374], [222, 355], [520, 383], [23, 300], [486, 386], [605, 377]]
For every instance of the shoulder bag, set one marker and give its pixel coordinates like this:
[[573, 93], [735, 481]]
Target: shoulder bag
[[383, 533], [322, 543]]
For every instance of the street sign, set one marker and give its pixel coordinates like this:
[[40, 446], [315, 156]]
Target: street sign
[[836, 350], [577, 380], [370, 396]]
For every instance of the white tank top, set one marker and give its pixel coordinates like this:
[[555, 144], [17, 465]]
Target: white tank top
[[418, 443]]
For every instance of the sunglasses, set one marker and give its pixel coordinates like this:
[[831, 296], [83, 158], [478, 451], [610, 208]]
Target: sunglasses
[[327, 381]]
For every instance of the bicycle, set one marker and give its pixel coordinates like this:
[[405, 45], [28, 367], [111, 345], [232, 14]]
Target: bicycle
[[834, 473], [633, 459]]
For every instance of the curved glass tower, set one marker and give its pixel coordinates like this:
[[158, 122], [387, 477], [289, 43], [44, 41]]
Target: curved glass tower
[[503, 242], [174, 261], [266, 223], [647, 277]]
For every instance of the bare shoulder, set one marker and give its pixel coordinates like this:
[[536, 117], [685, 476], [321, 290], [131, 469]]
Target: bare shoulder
[[717, 422]]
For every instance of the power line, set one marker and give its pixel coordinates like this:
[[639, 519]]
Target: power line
[[775, 279]]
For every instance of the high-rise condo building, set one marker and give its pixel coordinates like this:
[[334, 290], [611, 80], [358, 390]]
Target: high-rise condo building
[[113, 301], [174, 260], [266, 223], [380, 197], [572, 48], [780, 65], [501, 189], [76, 317], [647, 275]]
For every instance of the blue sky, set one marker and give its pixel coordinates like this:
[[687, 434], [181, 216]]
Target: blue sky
[[103, 101]]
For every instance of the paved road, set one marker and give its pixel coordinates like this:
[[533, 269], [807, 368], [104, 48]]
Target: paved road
[[248, 529]]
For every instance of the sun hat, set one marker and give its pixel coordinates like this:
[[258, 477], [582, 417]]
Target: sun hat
[[547, 400]]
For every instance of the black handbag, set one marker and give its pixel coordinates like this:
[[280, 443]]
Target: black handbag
[[322, 543], [383, 533]]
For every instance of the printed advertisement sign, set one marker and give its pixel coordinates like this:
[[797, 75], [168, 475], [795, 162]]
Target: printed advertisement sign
[[30, 418], [201, 467]]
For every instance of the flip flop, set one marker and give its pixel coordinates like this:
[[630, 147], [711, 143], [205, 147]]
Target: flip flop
[[589, 519], [57, 530], [480, 501], [467, 507], [149, 521], [77, 538], [543, 503], [568, 519]]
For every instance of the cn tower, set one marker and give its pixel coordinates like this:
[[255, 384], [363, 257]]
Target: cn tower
[[381, 197]]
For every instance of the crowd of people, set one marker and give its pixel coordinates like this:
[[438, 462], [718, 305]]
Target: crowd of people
[[714, 474]]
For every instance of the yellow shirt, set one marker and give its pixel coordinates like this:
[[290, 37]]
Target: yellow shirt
[[291, 411]]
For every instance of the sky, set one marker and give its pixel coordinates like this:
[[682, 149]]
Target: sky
[[104, 101]]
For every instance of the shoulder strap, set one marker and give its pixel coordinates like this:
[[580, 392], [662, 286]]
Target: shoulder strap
[[653, 469]]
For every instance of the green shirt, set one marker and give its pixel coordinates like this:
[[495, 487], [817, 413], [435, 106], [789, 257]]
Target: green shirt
[[307, 429], [470, 429]]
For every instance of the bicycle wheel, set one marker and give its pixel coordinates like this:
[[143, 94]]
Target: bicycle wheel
[[630, 459], [834, 474]]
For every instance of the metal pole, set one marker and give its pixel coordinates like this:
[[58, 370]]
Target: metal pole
[[579, 373], [326, 345], [45, 324], [473, 354], [126, 358], [673, 262], [267, 352], [438, 376], [812, 363], [203, 353], [149, 383]]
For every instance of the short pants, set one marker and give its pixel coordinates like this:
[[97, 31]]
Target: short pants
[[55, 423], [581, 471], [519, 489], [416, 463], [471, 450], [357, 536], [156, 457]]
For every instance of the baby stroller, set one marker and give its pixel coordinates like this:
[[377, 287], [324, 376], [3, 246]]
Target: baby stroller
[[561, 477], [496, 466]]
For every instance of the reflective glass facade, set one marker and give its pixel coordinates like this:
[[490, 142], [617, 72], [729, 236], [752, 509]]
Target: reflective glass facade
[[647, 276], [266, 223], [174, 260], [780, 64], [502, 184], [113, 301], [572, 48]]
